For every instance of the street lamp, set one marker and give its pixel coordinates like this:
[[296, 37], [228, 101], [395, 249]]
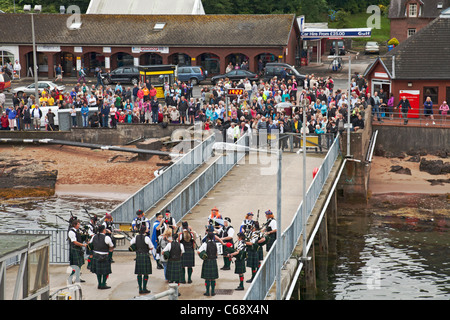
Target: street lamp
[[37, 9]]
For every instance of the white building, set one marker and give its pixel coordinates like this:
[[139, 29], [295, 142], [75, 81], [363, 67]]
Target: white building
[[194, 7]]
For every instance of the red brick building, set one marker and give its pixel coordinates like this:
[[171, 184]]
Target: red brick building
[[409, 16], [109, 41], [419, 65]]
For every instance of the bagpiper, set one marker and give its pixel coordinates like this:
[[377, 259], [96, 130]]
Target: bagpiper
[[240, 254], [76, 254], [270, 230], [142, 245], [253, 249]]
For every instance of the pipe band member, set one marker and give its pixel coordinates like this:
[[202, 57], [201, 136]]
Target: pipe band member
[[110, 229], [247, 223], [270, 229], [142, 244], [92, 230], [168, 222], [102, 245], [240, 254], [227, 238], [210, 272], [140, 220], [187, 239], [76, 254], [254, 250], [173, 252]]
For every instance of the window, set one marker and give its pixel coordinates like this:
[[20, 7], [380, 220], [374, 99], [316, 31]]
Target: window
[[411, 32], [448, 95], [433, 93], [412, 10]]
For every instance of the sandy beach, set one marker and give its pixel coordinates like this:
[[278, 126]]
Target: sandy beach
[[90, 173], [383, 181]]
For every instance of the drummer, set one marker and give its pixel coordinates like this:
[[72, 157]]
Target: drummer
[[140, 220], [110, 229]]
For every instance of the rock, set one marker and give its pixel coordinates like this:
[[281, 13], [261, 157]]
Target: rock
[[441, 182], [415, 158], [400, 170], [27, 178], [434, 167]]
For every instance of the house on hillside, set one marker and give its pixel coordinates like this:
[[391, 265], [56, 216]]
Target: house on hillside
[[418, 66], [409, 16]]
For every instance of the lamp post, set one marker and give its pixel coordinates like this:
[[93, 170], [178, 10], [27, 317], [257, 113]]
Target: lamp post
[[37, 9]]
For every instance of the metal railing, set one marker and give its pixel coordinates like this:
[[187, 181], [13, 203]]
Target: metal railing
[[266, 274], [416, 119], [147, 197], [58, 248], [190, 196]]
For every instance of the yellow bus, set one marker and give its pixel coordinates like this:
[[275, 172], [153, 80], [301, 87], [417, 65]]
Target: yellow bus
[[158, 76]]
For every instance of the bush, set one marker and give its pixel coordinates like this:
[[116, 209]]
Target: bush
[[393, 41]]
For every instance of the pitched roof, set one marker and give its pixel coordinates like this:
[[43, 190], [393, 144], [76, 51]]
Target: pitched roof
[[424, 55], [179, 30], [397, 8], [145, 7]]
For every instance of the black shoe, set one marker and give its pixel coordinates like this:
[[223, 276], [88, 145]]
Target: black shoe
[[189, 281], [225, 268], [145, 291], [249, 281], [239, 288], [104, 287], [206, 294]]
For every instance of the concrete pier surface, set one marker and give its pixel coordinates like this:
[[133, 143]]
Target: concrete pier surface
[[246, 188]]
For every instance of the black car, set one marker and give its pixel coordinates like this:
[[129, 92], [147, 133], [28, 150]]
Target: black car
[[341, 48], [127, 74], [273, 69], [236, 75]]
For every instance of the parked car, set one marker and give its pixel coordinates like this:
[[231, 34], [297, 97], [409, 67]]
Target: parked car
[[372, 47], [128, 74], [5, 82], [341, 48], [193, 73], [273, 69], [236, 75], [48, 85]]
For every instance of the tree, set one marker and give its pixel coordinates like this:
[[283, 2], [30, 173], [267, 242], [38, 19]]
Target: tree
[[314, 10]]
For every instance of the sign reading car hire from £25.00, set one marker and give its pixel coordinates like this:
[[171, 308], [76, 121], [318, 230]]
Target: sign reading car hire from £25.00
[[312, 33]]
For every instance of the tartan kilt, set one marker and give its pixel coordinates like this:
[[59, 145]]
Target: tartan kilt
[[270, 241], [253, 258], [239, 266], [101, 267], [76, 256], [173, 271], [143, 264], [209, 269], [188, 258]]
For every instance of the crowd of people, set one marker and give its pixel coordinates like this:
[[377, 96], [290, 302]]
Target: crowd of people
[[173, 248], [325, 107]]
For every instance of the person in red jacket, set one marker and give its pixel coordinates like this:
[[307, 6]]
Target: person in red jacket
[[4, 121]]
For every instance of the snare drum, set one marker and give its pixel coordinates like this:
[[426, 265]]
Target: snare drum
[[219, 248], [119, 239]]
